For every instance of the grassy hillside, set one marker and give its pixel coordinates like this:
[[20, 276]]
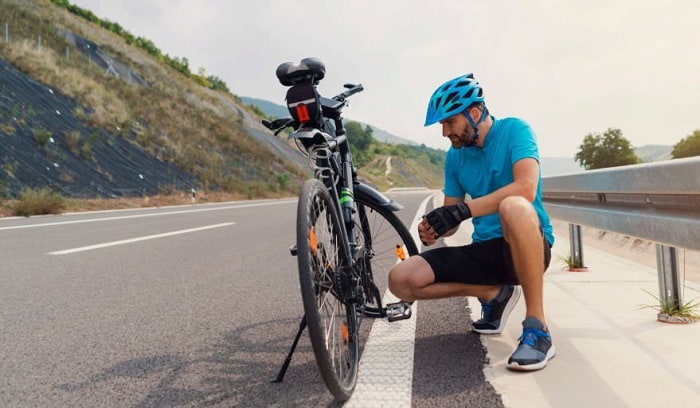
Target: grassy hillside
[[167, 132], [178, 118], [385, 171]]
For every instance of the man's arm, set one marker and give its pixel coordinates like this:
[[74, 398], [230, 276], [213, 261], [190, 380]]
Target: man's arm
[[426, 233], [451, 201], [525, 180], [526, 175]]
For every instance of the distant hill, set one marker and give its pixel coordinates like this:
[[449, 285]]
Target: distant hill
[[651, 153], [387, 137], [269, 108], [279, 111], [553, 166]]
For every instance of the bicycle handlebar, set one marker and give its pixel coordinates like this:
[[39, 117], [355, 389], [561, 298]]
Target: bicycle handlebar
[[352, 89]]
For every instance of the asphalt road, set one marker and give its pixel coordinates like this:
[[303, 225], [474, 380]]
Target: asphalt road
[[187, 306]]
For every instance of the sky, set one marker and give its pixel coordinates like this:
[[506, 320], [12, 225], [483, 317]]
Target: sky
[[568, 68]]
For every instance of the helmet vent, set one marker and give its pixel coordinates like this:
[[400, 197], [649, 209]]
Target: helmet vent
[[455, 106]]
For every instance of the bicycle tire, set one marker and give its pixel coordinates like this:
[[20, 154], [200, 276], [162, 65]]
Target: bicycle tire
[[332, 323], [380, 232]]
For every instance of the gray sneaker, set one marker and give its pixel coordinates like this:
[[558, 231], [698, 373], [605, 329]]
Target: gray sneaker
[[494, 314], [535, 348]]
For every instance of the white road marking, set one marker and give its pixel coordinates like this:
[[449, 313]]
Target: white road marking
[[158, 214], [385, 376], [138, 239]]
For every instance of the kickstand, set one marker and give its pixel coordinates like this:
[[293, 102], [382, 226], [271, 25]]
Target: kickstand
[[285, 365]]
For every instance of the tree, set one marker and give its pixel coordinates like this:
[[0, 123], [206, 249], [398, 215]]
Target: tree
[[360, 141], [687, 147], [610, 149], [218, 84], [359, 138], [369, 131]]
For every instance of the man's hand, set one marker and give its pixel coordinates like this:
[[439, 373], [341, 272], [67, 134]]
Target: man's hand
[[443, 219], [426, 234]]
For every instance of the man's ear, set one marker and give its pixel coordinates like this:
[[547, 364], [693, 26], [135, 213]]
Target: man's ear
[[475, 114]]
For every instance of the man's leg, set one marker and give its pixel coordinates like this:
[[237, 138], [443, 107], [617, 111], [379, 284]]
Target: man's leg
[[418, 278], [414, 279], [521, 229]]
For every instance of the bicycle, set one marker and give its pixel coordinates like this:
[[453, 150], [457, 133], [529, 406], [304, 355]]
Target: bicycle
[[346, 230]]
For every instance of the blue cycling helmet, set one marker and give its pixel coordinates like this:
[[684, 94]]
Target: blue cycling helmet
[[453, 97]]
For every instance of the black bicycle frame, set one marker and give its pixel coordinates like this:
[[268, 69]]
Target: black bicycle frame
[[342, 192], [318, 128]]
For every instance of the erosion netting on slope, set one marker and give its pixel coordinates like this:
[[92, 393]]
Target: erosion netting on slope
[[42, 143]]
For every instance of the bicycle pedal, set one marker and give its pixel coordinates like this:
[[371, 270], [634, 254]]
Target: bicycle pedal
[[398, 311], [293, 250]]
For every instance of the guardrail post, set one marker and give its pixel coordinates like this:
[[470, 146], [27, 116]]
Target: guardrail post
[[576, 245], [669, 277]]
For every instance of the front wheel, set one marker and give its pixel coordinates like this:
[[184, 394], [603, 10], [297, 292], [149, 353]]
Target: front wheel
[[332, 322]]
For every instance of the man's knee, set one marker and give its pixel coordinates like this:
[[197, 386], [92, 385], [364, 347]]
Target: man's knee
[[398, 279], [513, 206], [408, 276], [517, 211]]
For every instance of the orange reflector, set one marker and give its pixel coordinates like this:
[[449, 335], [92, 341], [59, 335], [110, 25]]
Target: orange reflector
[[313, 243], [344, 332], [400, 253]]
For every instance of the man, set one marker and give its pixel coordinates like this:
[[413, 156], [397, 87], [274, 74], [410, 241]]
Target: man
[[496, 163]]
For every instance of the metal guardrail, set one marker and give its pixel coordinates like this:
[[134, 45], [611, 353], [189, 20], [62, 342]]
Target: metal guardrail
[[657, 201]]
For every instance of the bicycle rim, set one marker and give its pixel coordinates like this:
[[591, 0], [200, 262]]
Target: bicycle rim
[[332, 323], [384, 242]]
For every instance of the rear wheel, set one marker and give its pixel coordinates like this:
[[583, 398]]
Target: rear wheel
[[332, 322], [383, 242]]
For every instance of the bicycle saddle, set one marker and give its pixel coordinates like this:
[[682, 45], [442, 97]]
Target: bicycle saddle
[[309, 70]]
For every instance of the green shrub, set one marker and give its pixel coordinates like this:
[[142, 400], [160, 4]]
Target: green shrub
[[85, 149], [38, 201], [41, 136], [283, 180], [72, 140]]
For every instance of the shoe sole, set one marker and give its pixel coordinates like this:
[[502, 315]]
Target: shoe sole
[[506, 313], [533, 367]]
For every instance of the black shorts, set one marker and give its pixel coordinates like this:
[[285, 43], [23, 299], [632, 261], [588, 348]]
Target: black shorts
[[482, 263]]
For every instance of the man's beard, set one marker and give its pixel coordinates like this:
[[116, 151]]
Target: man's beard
[[466, 139]]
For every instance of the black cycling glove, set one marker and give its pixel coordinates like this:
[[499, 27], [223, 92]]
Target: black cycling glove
[[443, 219]]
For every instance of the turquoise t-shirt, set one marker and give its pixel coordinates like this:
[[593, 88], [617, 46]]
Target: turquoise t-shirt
[[477, 172]]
